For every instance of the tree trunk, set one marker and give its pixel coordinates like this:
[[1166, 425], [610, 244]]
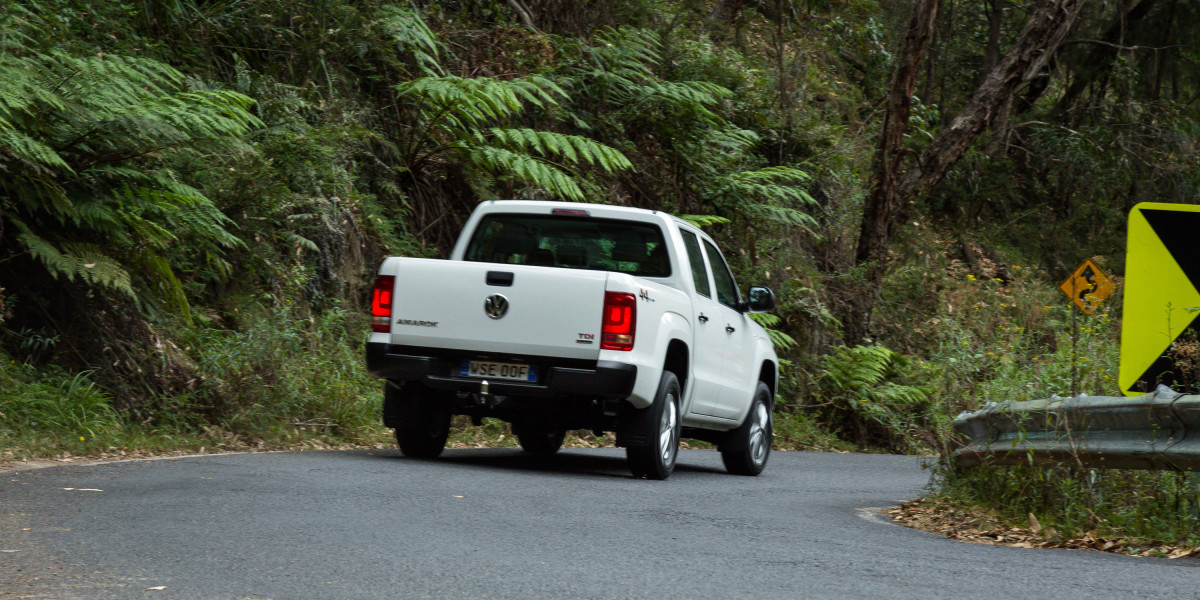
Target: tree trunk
[[522, 13], [881, 207], [1099, 61], [1040, 39], [995, 18], [785, 87], [726, 11], [892, 190]]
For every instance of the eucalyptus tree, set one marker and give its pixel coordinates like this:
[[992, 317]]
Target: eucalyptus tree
[[896, 184]]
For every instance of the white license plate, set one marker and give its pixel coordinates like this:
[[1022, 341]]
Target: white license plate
[[498, 370]]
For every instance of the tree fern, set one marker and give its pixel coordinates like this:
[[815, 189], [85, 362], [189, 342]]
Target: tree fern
[[718, 158], [859, 384], [80, 141], [461, 120]]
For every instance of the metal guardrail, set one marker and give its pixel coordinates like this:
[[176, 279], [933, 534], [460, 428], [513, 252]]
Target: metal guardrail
[[1154, 431]]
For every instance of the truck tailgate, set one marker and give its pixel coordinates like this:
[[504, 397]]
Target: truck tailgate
[[542, 311]]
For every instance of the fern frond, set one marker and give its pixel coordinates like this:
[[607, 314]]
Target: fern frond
[[850, 369], [301, 241], [702, 221], [780, 215], [627, 52], [465, 103], [84, 261], [572, 148], [404, 25], [780, 339], [81, 140], [526, 169], [35, 153]]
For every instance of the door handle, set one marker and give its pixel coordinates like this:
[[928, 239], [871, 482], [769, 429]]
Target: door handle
[[702, 318], [729, 329]]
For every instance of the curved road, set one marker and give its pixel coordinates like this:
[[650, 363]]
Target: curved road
[[501, 524]]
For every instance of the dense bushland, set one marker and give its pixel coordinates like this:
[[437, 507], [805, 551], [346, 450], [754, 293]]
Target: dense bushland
[[195, 194]]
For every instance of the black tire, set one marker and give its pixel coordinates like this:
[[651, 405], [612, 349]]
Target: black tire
[[543, 441], [660, 423], [747, 448], [423, 419]]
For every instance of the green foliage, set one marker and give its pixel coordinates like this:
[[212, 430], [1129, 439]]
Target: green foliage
[[781, 340], [74, 407], [703, 221], [715, 160], [81, 141], [768, 195], [286, 370], [858, 385], [1143, 509], [410, 33], [452, 124]]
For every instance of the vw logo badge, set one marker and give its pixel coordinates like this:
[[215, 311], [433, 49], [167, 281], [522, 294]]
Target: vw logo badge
[[495, 306]]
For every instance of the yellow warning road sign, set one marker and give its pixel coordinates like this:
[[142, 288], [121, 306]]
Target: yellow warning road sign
[[1088, 286], [1162, 273]]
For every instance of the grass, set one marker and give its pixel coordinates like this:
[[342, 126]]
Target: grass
[[1136, 511], [284, 378], [989, 340], [287, 379]]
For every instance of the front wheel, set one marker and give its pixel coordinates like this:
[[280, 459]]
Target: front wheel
[[746, 450], [662, 426], [422, 419]]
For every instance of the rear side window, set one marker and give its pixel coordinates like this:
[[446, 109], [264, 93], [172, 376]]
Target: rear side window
[[727, 293], [571, 242], [699, 274]]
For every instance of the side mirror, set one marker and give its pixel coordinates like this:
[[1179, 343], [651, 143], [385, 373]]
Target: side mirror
[[762, 299]]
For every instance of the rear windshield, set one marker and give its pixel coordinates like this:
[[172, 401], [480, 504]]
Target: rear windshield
[[572, 242]]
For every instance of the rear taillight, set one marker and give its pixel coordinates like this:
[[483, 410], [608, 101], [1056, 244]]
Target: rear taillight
[[381, 303], [620, 321]]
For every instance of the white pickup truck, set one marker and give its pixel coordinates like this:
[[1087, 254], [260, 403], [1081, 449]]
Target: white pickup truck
[[559, 316]]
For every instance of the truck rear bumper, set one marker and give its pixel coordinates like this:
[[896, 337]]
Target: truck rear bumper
[[437, 368]]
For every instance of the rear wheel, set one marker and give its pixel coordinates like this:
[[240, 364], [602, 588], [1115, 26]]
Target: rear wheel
[[537, 439], [746, 450], [421, 419], [661, 425]]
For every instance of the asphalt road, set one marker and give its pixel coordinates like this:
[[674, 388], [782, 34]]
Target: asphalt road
[[500, 524]]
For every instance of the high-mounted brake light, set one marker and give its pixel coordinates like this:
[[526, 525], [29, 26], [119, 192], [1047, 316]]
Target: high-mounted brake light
[[620, 321], [570, 212], [381, 303]]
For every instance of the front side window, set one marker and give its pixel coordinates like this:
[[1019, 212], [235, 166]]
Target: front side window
[[727, 293], [571, 242]]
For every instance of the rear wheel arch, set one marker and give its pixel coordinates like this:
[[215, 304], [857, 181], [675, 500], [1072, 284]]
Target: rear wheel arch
[[677, 361]]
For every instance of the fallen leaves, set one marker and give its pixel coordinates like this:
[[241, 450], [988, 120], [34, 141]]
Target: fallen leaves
[[982, 527]]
